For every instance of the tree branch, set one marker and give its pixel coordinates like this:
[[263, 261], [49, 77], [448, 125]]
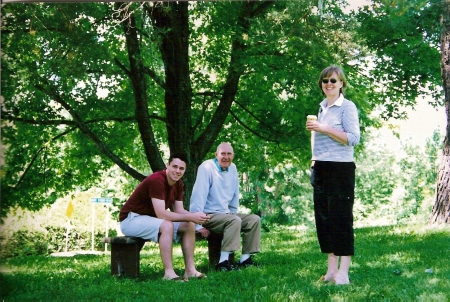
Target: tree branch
[[260, 136], [213, 95], [10, 117], [236, 68], [48, 89], [38, 152], [155, 77], [139, 86], [251, 114], [251, 130], [276, 132], [121, 66]]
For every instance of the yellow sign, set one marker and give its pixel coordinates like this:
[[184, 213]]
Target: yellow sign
[[69, 210]]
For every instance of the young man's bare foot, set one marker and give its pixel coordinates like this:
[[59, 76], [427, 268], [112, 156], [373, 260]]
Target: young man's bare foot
[[171, 277], [196, 274]]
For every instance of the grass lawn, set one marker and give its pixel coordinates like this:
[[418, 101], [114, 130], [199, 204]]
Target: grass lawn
[[391, 263]]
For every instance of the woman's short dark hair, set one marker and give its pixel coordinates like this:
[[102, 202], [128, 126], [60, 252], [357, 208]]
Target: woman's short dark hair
[[180, 156]]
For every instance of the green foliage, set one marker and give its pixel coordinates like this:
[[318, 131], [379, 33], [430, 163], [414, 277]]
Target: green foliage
[[433, 151], [392, 186], [419, 174], [75, 89], [47, 157], [27, 243], [282, 196], [376, 176], [59, 59], [396, 263], [404, 39]]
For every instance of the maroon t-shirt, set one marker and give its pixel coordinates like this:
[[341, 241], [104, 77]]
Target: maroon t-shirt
[[154, 186]]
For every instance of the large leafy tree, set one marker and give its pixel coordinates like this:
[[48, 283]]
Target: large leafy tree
[[89, 86]]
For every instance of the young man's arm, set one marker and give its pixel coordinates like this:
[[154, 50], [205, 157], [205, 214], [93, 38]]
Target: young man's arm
[[179, 214], [179, 208]]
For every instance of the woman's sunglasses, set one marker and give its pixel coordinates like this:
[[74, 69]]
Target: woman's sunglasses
[[325, 81]]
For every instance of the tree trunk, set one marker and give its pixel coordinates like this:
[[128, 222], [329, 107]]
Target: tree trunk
[[441, 208], [172, 22], [136, 74]]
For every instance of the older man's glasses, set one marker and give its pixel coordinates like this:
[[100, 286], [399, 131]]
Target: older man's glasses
[[332, 80]]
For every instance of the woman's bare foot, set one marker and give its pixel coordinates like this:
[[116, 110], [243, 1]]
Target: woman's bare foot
[[340, 280], [325, 278]]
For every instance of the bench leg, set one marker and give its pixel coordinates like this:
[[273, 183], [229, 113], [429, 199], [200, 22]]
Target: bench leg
[[125, 259], [214, 246]]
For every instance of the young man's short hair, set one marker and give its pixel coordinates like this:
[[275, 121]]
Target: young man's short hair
[[180, 156]]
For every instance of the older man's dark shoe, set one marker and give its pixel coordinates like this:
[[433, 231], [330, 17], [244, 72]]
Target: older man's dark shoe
[[249, 262], [226, 266]]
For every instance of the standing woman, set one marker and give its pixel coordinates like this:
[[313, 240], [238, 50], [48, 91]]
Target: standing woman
[[336, 132]]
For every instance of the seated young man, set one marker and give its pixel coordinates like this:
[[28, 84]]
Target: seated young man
[[145, 215]]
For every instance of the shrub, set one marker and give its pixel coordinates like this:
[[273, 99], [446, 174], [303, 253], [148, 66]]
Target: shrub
[[24, 243], [27, 243]]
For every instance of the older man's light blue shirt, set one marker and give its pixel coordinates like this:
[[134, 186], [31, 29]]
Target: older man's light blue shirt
[[215, 191]]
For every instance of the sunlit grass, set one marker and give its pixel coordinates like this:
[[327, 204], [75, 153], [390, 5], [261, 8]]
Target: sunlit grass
[[391, 263]]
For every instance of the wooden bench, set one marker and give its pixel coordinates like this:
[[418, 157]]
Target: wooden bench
[[125, 253]]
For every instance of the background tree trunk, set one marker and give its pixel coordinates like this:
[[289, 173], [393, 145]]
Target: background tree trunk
[[172, 23], [441, 208]]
